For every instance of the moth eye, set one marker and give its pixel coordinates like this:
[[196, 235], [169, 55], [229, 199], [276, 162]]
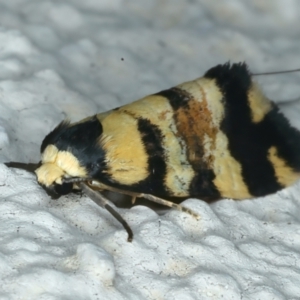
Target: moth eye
[[64, 188]]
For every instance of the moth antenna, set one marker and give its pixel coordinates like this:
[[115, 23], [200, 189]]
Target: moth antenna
[[276, 72], [30, 167], [105, 203]]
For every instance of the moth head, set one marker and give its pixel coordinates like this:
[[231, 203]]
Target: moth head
[[70, 151], [57, 166]]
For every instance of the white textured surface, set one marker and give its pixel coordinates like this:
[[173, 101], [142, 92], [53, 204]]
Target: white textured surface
[[75, 58]]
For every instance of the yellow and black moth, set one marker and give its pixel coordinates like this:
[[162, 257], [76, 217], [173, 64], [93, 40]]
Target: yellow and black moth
[[214, 137]]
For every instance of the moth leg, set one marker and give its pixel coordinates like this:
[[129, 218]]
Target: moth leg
[[170, 204], [105, 203], [98, 185], [133, 199], [150, 198]]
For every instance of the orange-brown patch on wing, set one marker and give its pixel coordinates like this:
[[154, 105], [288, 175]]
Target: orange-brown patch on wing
[[194, 123], [199, 123]]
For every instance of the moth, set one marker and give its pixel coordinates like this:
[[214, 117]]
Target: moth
[[215, 137]]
